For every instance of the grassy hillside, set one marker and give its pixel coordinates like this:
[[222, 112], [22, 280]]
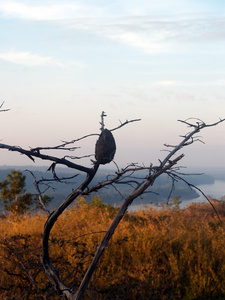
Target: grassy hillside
[[154, 254]]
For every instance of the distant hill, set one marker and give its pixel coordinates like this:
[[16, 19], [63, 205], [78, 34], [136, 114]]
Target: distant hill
[[159, 192]]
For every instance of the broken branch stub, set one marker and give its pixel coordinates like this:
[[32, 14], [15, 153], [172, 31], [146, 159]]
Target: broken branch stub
[[105, 147]]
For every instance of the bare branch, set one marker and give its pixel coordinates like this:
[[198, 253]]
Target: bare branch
[[198, 122], [125, 123], [79, 139], [176, 176], [51, 272], [188, 139], [3, 110], [39, 192], [31, 154], [59, 147], [102, 121]]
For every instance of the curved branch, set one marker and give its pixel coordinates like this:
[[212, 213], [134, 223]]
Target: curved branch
[[31, 154], [52, 272], [125, 123], [176, 176]]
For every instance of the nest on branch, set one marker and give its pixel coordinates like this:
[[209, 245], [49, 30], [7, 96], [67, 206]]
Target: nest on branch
[[105, 147]]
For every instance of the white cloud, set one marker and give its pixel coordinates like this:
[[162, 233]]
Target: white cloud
[[28, 59], [61, 11], [152, 34], [139, 32], [155, 35], [140, 40]]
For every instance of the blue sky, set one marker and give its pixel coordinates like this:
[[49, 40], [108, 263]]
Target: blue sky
[[63, 62]]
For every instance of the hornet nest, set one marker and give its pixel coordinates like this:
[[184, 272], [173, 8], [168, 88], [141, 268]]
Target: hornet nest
[[105, 147]]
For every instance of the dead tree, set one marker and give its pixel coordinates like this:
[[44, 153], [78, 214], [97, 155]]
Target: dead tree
[[104, 153]]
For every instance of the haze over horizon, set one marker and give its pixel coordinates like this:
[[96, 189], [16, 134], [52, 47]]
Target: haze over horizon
[[63, 62]]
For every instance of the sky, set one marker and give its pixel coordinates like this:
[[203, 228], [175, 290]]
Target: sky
[[64, 62]]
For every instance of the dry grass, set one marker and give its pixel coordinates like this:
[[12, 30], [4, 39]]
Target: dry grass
[[154, 254]]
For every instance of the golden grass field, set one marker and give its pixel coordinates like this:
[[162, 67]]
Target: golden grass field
[[166, 253]]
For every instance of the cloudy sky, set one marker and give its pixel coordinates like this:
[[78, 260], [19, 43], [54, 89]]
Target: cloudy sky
[[63, 62]]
